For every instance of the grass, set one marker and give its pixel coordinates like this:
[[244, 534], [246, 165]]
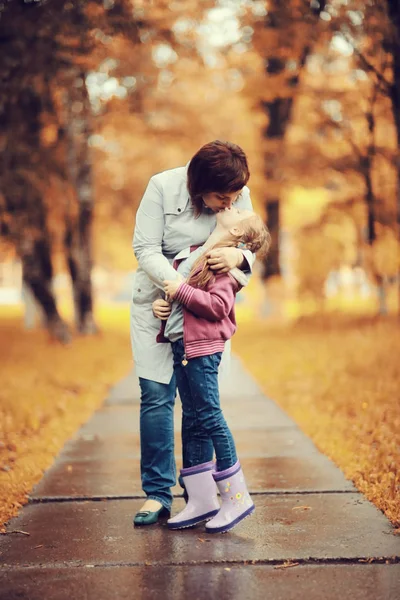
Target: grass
[[48, 391], [339, 378]]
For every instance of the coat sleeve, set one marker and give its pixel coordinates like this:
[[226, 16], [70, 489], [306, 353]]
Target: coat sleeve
[[148, 235], [213, 304]]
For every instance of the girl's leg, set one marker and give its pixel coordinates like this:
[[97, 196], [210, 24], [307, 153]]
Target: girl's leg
[[236, 500], [157, 439], [202, 376], [197, 447]]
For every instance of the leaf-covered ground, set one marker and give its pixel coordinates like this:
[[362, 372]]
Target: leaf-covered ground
[[47, 391], [339, 378]]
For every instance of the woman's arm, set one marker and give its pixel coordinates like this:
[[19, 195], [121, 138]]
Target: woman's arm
[[224, 259], [184, 268], [148, 235]]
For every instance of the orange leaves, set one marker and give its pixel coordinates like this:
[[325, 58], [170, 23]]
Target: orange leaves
[[48, 391], [340, 381]]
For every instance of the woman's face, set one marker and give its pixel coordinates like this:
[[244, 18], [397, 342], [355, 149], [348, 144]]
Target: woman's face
[[218, 201], [231, 217]]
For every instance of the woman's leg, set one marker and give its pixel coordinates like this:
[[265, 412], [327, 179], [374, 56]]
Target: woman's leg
[[202, 377], [197, 447], [157, 439]]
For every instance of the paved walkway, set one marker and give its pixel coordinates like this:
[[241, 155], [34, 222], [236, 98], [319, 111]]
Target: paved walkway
[[313, 536]]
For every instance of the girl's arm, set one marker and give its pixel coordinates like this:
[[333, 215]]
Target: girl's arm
[[147, 239], [213, 304]]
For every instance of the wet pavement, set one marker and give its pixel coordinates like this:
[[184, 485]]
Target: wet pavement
[[312, 536]]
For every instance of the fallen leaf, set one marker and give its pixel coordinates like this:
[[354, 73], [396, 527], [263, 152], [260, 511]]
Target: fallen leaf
[[366, 560], [286, 565]]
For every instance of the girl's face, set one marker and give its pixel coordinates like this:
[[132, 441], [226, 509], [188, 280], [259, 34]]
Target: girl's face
[[220, 200], [230, 218]]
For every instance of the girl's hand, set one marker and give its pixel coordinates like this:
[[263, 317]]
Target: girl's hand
[[171, 287], [222, 260], [161, 309]]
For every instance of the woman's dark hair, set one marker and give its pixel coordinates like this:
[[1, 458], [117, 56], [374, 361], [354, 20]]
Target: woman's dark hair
[[216, 167]]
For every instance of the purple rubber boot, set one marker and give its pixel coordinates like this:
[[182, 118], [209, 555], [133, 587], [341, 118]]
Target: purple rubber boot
[[236, 501], [203, 502]]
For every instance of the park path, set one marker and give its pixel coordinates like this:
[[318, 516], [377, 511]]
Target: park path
[[312, 536]]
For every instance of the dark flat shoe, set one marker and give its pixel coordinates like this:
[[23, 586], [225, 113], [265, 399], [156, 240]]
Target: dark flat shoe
[[146, 517]]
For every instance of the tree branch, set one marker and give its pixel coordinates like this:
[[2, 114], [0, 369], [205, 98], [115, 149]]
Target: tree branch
[[369, 66]]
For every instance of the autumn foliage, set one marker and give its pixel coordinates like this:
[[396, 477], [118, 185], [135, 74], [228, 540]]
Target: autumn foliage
[[48, 390], [339, 378]]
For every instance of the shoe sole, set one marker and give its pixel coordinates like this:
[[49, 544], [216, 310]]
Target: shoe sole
[[229, 526], [193, 522]]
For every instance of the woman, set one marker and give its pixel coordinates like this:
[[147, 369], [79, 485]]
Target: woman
[[177, 211]]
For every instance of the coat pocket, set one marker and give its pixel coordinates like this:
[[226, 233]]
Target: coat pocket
[[144, 291], [175, 205]]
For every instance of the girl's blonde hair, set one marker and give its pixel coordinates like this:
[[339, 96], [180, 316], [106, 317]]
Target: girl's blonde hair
[[253, 235]]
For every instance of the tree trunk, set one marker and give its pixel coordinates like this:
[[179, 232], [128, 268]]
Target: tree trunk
[[79, 212], [284, 40], [366, 167], [37, 274], [394, 14], [271, 263], [367, 164], [24, 204]]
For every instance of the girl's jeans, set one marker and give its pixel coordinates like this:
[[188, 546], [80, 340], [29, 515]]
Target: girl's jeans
[[203, 425], [157, 462]]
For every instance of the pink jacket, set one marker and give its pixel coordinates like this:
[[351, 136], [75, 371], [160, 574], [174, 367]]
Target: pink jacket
[[208, 315]]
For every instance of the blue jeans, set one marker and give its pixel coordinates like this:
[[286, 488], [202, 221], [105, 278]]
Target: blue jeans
[[157, 463], [204, 428]]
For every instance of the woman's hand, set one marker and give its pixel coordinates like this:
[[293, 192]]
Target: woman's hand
[[161, 309], [222, 260], [171, 286]]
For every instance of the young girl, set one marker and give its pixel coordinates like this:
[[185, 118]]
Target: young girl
[[198, 339]]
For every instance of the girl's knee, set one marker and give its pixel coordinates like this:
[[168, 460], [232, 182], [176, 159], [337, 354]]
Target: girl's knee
[[213, 423]]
